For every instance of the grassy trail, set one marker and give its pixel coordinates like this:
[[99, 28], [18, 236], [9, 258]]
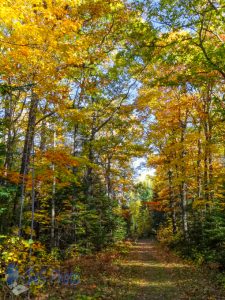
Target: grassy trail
[[150, 273], [147, 272]]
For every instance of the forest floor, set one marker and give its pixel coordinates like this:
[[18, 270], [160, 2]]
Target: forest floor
[[147, 272]]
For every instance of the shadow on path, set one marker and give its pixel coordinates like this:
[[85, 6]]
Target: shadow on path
[[150, 273]]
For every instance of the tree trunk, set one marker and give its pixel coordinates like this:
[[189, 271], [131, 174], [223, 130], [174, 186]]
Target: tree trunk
[[29, 138], [53, 239], [9, 136], [24, 169], [199, 183], [172, 203], [183, 185], [108, 179], [183, 197]]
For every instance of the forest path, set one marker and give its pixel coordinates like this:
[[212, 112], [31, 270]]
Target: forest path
[[150, 272], [147, 272]]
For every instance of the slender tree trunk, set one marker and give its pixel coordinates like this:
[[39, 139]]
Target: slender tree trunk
[[43, 140], [206, 165], [183, 185], [28, 143], [108, 179], [172, 203], [210, 160], [183, 196], [53, 240], [29, 138], [199, 183], [89, 175], [75, 153], [9, 134]]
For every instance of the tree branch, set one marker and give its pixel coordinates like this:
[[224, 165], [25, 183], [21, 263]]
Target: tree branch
[[45, 117]]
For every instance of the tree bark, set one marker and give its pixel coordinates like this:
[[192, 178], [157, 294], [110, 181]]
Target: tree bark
[[53, 239], [183, 185], [198, 177], [29, 138], [9, 135], [28, 143], [172, 203]]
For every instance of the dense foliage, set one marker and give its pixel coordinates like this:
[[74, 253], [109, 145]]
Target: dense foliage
[[182, 101], [87, 88]]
